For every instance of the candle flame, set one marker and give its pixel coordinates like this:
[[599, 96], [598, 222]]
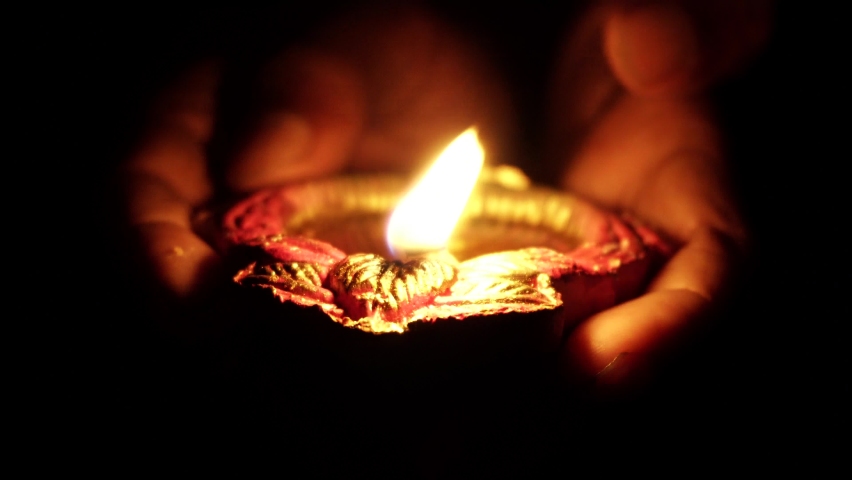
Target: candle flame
[[425, 218]]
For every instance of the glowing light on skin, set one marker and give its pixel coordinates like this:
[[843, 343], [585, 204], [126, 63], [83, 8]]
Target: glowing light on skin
[[424, 219]]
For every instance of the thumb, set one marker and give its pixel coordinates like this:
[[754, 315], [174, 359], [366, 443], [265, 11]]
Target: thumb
[[666, 47]]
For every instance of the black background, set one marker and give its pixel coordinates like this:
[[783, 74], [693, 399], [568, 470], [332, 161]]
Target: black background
[[769, 377]]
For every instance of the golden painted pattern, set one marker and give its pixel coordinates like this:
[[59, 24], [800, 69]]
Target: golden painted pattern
[[530, 288], [295, 277], [371, 286]]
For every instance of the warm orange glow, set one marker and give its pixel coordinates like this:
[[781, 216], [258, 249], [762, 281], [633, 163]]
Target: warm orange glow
[[425, 218]]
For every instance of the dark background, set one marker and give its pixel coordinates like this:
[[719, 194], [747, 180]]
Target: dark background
[[768, 377]]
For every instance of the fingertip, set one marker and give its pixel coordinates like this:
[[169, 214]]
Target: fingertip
[[627, 374], [177, 260], [183, 286], [646, 326], [653, 49]]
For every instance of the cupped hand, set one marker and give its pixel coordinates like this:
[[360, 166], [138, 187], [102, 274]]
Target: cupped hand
[[629, 128], [633, 131], [373, 90]]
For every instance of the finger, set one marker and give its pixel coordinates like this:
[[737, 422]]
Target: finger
[[312, 111], [166, 177], [179, 124], [647, 328], [582, 88], [181, 263], [596, 58], [377, 90], [667, 47], [426, 82], [660, 159]]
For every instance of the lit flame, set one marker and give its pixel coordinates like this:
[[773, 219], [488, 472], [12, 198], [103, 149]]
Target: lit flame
[[425, 218]]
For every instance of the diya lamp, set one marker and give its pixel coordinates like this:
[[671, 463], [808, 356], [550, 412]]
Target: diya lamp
[[469, 259]]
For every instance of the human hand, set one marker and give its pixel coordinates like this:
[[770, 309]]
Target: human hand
[[336, 105], [374, 90], [630, 121]]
